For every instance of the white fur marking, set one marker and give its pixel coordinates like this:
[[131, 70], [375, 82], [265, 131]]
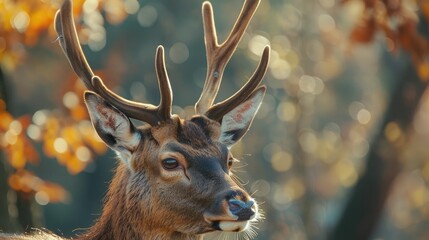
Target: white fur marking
[[233, 226]]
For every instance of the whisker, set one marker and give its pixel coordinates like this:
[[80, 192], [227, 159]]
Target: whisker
[[242, 181], [237, 179], [242, 165], [235, 170], [253, 193]]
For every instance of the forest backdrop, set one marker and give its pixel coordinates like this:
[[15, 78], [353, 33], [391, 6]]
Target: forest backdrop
[[338, 149]]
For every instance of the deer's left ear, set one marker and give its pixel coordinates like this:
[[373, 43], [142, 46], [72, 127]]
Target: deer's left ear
[[237, 122], [113, 127]]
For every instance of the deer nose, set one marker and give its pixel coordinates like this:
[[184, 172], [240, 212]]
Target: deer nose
[[243, 210]]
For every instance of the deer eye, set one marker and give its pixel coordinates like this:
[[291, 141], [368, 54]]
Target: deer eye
[[170, 164], [231, 160]]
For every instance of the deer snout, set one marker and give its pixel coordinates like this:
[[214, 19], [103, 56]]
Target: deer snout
[[243, 210], [233, 211], [238, 205]]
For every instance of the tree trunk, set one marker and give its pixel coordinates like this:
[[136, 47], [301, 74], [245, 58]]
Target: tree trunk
[[364, 208], [16, 210], [7, 222]]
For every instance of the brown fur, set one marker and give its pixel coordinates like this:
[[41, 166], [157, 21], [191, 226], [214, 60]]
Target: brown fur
[[141, 205], [145, 202], [149, 200]]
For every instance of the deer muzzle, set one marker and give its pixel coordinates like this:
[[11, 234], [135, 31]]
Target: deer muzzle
[[235, 211]]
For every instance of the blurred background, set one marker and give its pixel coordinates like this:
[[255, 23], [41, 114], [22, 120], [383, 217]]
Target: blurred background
[[338, 150]]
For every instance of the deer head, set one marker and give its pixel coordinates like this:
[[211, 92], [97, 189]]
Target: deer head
[[174, 177]]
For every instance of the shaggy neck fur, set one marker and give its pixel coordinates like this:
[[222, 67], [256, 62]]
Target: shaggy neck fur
[[123, 219]]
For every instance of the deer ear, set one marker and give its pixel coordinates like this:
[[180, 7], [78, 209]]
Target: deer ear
[[236, 122], [113, 127]]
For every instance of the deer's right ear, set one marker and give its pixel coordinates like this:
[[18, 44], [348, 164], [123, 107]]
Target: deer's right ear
[[113, 127]]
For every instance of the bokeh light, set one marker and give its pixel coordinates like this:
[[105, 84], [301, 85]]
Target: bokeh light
[[326, 100]]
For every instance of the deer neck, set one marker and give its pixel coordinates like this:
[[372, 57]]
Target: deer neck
[[122, 219]]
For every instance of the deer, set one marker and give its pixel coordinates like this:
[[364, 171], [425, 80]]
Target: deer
[[174, 178]]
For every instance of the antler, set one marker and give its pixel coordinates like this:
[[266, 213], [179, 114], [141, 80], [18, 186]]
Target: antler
[[217, 58], [69, 42]]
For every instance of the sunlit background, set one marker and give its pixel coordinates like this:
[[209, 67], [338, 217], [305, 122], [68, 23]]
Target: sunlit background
[[330, 79]]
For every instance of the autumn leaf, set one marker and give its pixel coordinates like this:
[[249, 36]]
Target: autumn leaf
[[364, 31], [25, 181], [424, 6], [423, 70]]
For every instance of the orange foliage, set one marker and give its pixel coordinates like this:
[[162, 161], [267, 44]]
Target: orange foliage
[[398, 23], [24, 22], [13, 140], [65, 134], [68, 137], [27, 182]]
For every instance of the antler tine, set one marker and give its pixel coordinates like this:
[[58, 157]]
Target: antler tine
[[217, 111], [166, 102], [69, 42], [219, 55], [144, 112]]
